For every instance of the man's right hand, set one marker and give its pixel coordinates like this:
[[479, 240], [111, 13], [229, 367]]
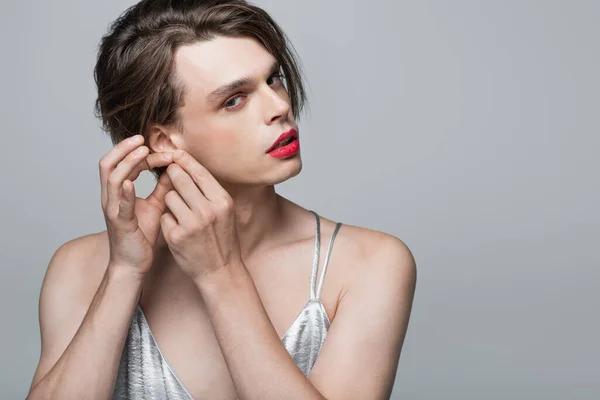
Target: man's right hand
[[132, 223]]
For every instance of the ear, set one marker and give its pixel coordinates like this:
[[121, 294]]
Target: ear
[[161, 139]]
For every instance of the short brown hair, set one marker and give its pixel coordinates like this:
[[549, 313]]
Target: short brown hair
[[135, 72]]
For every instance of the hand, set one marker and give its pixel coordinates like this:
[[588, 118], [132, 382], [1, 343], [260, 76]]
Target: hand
[[132, 223], [200, 227]]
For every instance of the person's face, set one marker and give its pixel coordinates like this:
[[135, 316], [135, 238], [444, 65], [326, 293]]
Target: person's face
[[229, 133]]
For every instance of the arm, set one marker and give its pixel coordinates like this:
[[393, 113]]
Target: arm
[[360, 356], [81, 345]]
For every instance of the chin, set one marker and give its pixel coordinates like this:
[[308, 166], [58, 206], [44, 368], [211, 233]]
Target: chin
[[286, 171]]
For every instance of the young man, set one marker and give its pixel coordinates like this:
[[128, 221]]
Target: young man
[[214, 271]]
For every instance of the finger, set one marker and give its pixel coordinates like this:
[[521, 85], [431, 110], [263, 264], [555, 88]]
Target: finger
[[118, 176], [210, 187], [167, 224], [163, 186], [109, 162], [187, 189], [179, 209], [153, 160], [127, 203]]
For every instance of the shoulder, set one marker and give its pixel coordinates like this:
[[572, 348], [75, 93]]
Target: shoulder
[[88, 245], [372, 248], [71, 281], [77, 266], [373, 259], [80, 255]]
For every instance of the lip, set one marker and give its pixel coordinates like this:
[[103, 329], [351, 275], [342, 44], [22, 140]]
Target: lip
[[286, 151], [292, 133]]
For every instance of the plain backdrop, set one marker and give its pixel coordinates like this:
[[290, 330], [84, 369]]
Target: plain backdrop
[[469, 129]]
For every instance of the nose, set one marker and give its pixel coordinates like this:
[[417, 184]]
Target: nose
[[277, 105]]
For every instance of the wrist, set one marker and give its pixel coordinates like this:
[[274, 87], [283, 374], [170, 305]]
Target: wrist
[[124, 273], [220, 280]]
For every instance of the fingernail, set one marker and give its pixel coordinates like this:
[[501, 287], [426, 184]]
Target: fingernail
[[177, 154]]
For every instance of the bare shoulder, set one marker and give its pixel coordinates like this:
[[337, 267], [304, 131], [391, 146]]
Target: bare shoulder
[[371, 247], [372, 258], [92, 246], [79, 264], [72, 278]]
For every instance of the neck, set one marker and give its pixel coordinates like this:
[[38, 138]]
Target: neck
[[259, 216]]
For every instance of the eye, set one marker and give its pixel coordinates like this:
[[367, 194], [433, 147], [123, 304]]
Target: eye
[[278, 76], [230, 103]]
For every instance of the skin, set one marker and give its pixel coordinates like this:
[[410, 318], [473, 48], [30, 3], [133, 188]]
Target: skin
[[232, 261]]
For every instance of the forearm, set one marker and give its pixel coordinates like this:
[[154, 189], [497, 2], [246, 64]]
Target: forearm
[[87, 368], [259, 364]]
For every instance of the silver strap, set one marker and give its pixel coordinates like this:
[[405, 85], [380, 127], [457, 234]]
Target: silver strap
[[316, 293]]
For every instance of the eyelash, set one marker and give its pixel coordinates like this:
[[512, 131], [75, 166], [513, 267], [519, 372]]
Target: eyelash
[[276, 75]]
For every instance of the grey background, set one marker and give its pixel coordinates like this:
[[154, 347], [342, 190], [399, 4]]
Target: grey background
[[469, 129]]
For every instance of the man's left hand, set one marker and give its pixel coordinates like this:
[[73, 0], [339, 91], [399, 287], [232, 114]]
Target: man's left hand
[[200, 227]]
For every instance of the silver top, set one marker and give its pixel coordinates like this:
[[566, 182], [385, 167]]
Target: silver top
[[145, 374]]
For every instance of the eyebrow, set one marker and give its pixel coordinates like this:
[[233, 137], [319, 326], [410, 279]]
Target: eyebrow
[[224, 90]]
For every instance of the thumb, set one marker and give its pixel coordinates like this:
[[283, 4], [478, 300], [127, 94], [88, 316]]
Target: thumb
[[127, 203], [163, 186]]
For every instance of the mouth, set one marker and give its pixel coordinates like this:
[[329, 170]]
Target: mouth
[[284, 143], [283, 140]]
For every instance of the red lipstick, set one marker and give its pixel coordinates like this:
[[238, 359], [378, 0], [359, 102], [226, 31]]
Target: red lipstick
[[285, 145]]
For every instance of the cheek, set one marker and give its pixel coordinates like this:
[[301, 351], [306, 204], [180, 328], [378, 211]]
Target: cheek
[[225, 146], [229, 139]]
